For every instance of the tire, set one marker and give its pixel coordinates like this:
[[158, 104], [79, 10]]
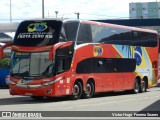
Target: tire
[[136, 88], [89, 90], [76, 91], [37, 97], [143, 87]]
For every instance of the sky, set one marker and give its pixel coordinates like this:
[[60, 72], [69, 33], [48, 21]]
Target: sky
[[88, 9]]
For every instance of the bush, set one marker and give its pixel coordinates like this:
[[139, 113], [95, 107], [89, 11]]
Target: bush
[[5, 63]]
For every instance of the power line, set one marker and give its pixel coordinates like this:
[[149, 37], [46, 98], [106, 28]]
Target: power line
[[99, 15]]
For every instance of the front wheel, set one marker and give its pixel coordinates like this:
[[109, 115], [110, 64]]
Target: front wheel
[[76, 91]]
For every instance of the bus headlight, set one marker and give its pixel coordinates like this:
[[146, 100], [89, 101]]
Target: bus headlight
[[52, 82], [49, 83], [12, 83]]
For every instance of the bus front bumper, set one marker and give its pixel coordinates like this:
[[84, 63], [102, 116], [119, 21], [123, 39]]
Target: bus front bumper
[[32, 90]]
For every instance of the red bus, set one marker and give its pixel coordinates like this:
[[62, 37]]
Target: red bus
[[54, 57]]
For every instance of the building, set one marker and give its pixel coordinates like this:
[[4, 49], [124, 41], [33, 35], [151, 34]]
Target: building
[[7, 28], [143, 10], [4, 38]]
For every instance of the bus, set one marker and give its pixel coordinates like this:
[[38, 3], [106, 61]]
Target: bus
[[78, 58], [4, 67]]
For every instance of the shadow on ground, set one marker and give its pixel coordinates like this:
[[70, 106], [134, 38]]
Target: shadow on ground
[[153, 107], [13, 100]]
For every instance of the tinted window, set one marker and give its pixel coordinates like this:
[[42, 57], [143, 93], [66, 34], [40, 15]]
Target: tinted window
[[106, 65], [64, 58], [120, 65], [84, 34], [115, 35], [125, 37], [71, 30], [144, 39], [84, 66], [100, 32], [98, 65], [38, 33], [110, 35]]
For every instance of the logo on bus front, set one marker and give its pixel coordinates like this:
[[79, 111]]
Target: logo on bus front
[[37, 27], [97, 50]]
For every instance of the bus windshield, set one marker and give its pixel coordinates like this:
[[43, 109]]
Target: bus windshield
[[38, 33], [31, 65]]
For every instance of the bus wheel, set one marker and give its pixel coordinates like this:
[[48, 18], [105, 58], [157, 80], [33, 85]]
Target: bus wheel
[[136, 87], [143, 87], [76, 91], [89, 90], [37, 97]]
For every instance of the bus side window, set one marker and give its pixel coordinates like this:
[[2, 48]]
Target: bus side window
[[110, 67], [61, 65], [98, 65], [85, 34], [71, 30], [62, 37]]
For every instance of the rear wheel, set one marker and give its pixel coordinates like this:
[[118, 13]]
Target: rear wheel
[[76, 91], [136, 87], [143, 87], [89, 90]]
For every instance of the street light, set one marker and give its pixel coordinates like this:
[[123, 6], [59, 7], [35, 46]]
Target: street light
[[56, 13], [77, 15]]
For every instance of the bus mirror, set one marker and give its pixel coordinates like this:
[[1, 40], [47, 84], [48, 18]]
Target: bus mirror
[[2, 49], [51, 53], [1, 53], [55, 47]]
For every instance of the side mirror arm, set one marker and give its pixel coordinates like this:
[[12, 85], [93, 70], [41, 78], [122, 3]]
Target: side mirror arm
[[55, 47], [2, 49]]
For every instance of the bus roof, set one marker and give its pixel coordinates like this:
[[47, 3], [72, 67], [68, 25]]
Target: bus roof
[[120, 26], [98, 23]]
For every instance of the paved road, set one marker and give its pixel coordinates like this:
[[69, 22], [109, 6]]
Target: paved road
[[119, 101]]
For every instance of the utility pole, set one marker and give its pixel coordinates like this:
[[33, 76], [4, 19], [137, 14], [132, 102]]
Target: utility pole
[[77, 15], [10, 11], [42, 8]]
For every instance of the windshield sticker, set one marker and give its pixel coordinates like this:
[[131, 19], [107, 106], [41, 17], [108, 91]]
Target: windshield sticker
[[37, 27], [37, 31]]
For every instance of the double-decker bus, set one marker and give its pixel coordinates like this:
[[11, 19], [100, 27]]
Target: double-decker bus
[[78, 58]]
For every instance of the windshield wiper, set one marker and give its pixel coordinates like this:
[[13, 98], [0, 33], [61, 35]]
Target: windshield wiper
[[28, 77], [15, 75]]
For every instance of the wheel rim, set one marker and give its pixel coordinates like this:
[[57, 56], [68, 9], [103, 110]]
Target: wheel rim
[[136, 87], [143, 86], [88, 89], [76, 90]]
